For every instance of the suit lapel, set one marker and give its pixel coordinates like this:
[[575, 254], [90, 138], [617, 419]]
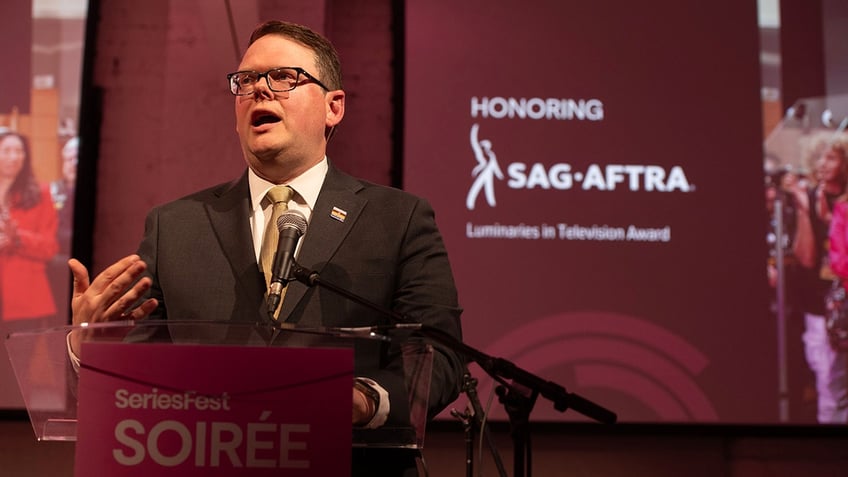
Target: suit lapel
[[336, 211], [228, 217]]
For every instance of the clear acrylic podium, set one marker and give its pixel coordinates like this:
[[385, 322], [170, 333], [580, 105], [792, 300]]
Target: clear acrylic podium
[[48, 380]]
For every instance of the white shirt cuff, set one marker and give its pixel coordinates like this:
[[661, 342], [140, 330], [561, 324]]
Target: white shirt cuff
[[382, 409], [75, 361]]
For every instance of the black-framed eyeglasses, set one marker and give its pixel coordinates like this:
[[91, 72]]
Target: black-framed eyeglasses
[[280, 80]]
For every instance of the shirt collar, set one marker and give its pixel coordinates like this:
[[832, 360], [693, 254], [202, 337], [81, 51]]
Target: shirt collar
[[307, 185]]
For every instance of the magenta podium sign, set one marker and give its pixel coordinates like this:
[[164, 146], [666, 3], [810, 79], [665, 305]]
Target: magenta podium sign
[[190, 410]]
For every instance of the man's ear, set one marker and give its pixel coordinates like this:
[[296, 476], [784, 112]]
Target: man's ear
[[335, 107]]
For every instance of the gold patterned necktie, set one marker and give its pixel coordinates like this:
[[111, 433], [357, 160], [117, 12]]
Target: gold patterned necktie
[[279, 197]]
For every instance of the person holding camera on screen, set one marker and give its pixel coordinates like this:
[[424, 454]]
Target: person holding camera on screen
[[815, 211]]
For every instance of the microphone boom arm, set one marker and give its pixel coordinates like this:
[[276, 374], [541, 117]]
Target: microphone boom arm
[[499, 368]]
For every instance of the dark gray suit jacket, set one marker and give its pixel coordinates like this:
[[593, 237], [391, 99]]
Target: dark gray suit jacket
[[386, 248]]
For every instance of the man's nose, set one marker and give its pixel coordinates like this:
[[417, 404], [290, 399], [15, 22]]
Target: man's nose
[[261, 90]]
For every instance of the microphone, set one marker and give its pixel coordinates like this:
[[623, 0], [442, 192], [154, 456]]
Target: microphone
[[291, 225]]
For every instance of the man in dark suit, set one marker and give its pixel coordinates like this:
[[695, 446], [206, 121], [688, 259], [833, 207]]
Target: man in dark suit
[[199, 258]]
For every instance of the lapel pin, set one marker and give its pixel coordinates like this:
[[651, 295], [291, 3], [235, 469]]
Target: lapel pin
[[338, 214]]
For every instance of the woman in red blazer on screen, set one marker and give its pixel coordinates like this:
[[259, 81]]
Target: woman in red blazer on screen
[[28, 224]]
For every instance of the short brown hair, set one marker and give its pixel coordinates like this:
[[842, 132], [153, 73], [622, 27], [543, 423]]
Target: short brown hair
[[326, 57]]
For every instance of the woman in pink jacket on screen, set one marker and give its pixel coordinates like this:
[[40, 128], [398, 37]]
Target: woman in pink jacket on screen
[[28, 223]]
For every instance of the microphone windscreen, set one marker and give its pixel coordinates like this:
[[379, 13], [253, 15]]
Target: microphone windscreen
[[293, 219]]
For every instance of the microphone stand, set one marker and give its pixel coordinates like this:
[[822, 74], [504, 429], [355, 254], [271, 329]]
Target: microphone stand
[[468, 433], [473, 424], [518, 396], [518, 401]]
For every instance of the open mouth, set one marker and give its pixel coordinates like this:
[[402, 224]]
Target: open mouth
[[260, 118]]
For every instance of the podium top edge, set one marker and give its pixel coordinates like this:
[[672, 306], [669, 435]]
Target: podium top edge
[[127, 325]]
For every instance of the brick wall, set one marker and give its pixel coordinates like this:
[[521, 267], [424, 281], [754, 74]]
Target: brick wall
[[168, 126]]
